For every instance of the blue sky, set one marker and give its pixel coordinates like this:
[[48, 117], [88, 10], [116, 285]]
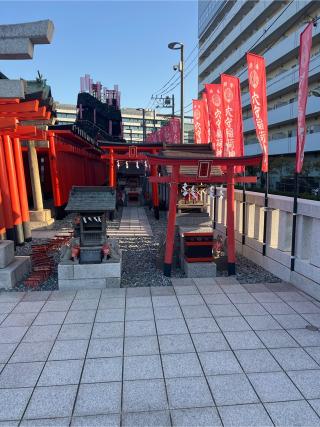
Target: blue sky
[[122, 42]]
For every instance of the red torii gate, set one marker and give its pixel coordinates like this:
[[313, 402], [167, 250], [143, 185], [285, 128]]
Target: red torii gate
[[204, 162], [14, 212], [132, 152]]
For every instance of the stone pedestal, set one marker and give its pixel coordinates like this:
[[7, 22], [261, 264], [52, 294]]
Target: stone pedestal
[[12, 269], [195, 269], [72, 275], [6, 252], [199, 269], [42, 216]]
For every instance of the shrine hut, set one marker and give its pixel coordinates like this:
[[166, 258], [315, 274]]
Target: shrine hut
[[124, 152]]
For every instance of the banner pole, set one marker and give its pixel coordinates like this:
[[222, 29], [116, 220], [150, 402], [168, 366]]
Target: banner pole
[[294, 219], [244, 211], [215, 207], [264, 247]]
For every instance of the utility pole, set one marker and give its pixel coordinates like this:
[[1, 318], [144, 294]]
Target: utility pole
[[172, 105], [182, 95]]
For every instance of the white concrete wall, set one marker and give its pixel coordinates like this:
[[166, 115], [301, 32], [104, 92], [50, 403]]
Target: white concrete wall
[[279, 231]]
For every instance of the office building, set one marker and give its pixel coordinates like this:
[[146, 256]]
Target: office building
[[132, 121]]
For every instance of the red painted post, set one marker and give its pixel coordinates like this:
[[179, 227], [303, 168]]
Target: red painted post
[[115, 174], [54, 175], [14, 191], [2, 221], [171, 221], [155, 191], [22, 189], [111, 168], [6, 199], [230, 222]]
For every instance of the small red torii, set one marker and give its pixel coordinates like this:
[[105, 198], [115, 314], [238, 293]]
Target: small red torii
[[192, 155]]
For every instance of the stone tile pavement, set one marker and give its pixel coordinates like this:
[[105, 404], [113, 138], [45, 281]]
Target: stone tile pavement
[[134, 223], [205, 352]]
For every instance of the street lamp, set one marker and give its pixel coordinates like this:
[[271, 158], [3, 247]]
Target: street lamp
[[179, 46], [143, 123]]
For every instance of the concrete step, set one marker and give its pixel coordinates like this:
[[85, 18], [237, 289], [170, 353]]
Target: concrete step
[[6, 252], [15, 271]]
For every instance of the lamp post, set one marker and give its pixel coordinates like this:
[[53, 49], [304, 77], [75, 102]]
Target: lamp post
[[143, 123], [179, 46]]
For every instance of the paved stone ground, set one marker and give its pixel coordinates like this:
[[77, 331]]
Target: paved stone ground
[[134, 223], [203, 353]]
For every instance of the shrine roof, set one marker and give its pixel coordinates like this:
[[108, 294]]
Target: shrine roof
[[193, 156], [108, 144], [91, 199]]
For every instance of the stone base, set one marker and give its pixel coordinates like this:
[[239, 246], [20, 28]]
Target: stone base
[[193, 219], [6, 252], [107, 274], [14, 272], [200, 269], [43, 216], [110, 282]]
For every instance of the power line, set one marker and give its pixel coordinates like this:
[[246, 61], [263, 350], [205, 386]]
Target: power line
[[173, 84], [189, 72]]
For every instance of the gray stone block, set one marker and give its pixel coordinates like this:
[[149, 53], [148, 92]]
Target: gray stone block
[[98, 398], [11, 88], [200, 269], [17, 48], [39, 32], [6, 252], [82, 284], [14, 272], [53, 401], [65, 272], [113, 282], [97, 271]]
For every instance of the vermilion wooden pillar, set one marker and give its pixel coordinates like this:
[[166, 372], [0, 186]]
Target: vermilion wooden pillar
[[14, 191], [115, 174], [22, 189], [230, 222], [2, 221], [111, 169], [55, 177], [155, 191], [6, 199], [171, 222]]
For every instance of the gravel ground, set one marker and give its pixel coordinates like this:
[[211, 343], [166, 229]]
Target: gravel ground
[[142, 260], [142, 257]]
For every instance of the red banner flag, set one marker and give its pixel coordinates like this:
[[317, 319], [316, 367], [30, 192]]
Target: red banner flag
[[232, 113], [258, 97], [198, 122], [304, 60], [232, 118], [175, 130], [206, 121], [215, 110]]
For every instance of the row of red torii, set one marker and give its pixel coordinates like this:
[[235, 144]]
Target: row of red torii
[[174, 157]]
